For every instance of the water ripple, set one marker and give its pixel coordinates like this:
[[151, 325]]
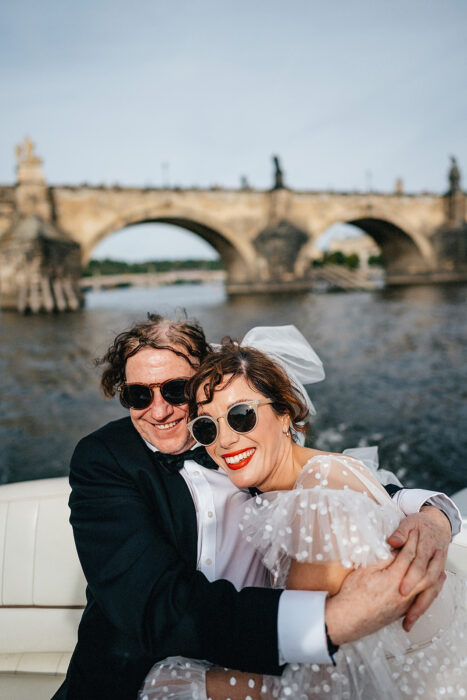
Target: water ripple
[[396, 366]]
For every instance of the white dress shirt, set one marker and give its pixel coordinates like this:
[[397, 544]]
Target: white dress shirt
[[224, 554]]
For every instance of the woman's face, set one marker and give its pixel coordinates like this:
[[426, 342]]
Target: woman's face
[[250, 459]]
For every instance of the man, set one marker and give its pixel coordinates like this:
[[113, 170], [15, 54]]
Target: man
[[158, 541]]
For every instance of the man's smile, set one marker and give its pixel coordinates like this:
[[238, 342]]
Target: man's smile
[[166, 426], [239, 459]]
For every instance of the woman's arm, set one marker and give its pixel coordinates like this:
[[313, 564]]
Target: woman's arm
[[317, 577], [327, 576], [236, 685]]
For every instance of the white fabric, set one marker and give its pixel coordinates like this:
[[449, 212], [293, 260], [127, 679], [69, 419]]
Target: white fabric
[[318, 524], [411, 500], [408, 500], [222, 553], [301, 627], [301, 631], [290, 349], [308, 522], [369, 457], [175, 678], [457, 554], [301, 614]]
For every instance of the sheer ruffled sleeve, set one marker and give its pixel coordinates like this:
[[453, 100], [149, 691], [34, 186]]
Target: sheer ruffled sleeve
[[323, 520]]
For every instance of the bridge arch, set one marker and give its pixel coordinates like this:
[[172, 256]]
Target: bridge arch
[[237, 255], [402, 252], [405, 250]]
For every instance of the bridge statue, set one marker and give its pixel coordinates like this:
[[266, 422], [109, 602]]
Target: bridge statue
[[278, 174], [455, 201], [25, 151], [29, 165], [454, 177]]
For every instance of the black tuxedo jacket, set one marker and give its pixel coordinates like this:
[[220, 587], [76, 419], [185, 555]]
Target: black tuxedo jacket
[[136, 535]]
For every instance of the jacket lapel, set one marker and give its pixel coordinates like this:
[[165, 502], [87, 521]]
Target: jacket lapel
[[167, 495]]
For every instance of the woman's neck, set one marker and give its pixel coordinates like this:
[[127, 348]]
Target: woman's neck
[[287, 471]]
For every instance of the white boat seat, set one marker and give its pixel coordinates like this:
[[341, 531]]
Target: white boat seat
[[51, 663], [42, 588]]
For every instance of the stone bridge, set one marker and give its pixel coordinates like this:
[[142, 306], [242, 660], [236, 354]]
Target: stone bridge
[[266, 239]]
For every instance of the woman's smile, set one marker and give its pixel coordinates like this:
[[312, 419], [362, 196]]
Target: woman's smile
[[239, 459]]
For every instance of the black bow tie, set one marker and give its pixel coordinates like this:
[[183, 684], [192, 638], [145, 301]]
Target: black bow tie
[[173, 463]]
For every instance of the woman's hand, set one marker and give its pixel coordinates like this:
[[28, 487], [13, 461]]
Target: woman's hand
[[433, 532]]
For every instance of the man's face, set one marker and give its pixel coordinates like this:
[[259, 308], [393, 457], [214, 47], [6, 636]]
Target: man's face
[[161, 424]]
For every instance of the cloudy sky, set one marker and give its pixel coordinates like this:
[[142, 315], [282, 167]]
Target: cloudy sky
[[350, 94]]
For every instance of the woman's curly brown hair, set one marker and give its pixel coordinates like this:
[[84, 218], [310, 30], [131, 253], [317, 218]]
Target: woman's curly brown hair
[[260, 371], [183, 337]]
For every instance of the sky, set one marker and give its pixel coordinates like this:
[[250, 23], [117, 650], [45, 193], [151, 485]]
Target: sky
[[350, 94]]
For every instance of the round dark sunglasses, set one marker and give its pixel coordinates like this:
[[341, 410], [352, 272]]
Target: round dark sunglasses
[[139, 396], [241, 418]]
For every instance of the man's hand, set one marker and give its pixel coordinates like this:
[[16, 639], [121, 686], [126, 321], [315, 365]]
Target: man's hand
[[433, 537], [370, 597]]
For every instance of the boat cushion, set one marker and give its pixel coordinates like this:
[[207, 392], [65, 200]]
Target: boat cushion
[[38, 561], [42, 587], [50, 663]]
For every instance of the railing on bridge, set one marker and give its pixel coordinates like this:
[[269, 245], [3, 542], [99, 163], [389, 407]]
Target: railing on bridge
[[331, 276], [152, 279]]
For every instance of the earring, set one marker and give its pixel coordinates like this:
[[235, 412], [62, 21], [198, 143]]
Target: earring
[[287, 432]]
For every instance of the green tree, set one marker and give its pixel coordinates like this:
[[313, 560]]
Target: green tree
[[120, 267]]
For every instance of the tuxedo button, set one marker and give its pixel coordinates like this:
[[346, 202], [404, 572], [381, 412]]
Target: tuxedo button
[[208, 562], [210, 514]]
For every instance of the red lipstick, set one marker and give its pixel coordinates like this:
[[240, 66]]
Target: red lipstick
[[242, 463]]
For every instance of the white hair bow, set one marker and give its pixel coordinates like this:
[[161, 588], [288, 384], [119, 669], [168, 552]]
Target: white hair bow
[[290, 349]]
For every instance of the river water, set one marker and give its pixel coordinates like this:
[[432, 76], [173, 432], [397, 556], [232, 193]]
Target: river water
[[395, 360]]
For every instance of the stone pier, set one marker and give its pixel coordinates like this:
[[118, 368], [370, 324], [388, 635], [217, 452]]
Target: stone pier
[[40, 265]]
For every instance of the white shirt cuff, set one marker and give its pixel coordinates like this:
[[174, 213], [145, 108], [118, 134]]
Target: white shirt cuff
[[300, 625], [411, 500]]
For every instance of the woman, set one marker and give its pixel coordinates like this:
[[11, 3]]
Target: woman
[[320, 515]]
